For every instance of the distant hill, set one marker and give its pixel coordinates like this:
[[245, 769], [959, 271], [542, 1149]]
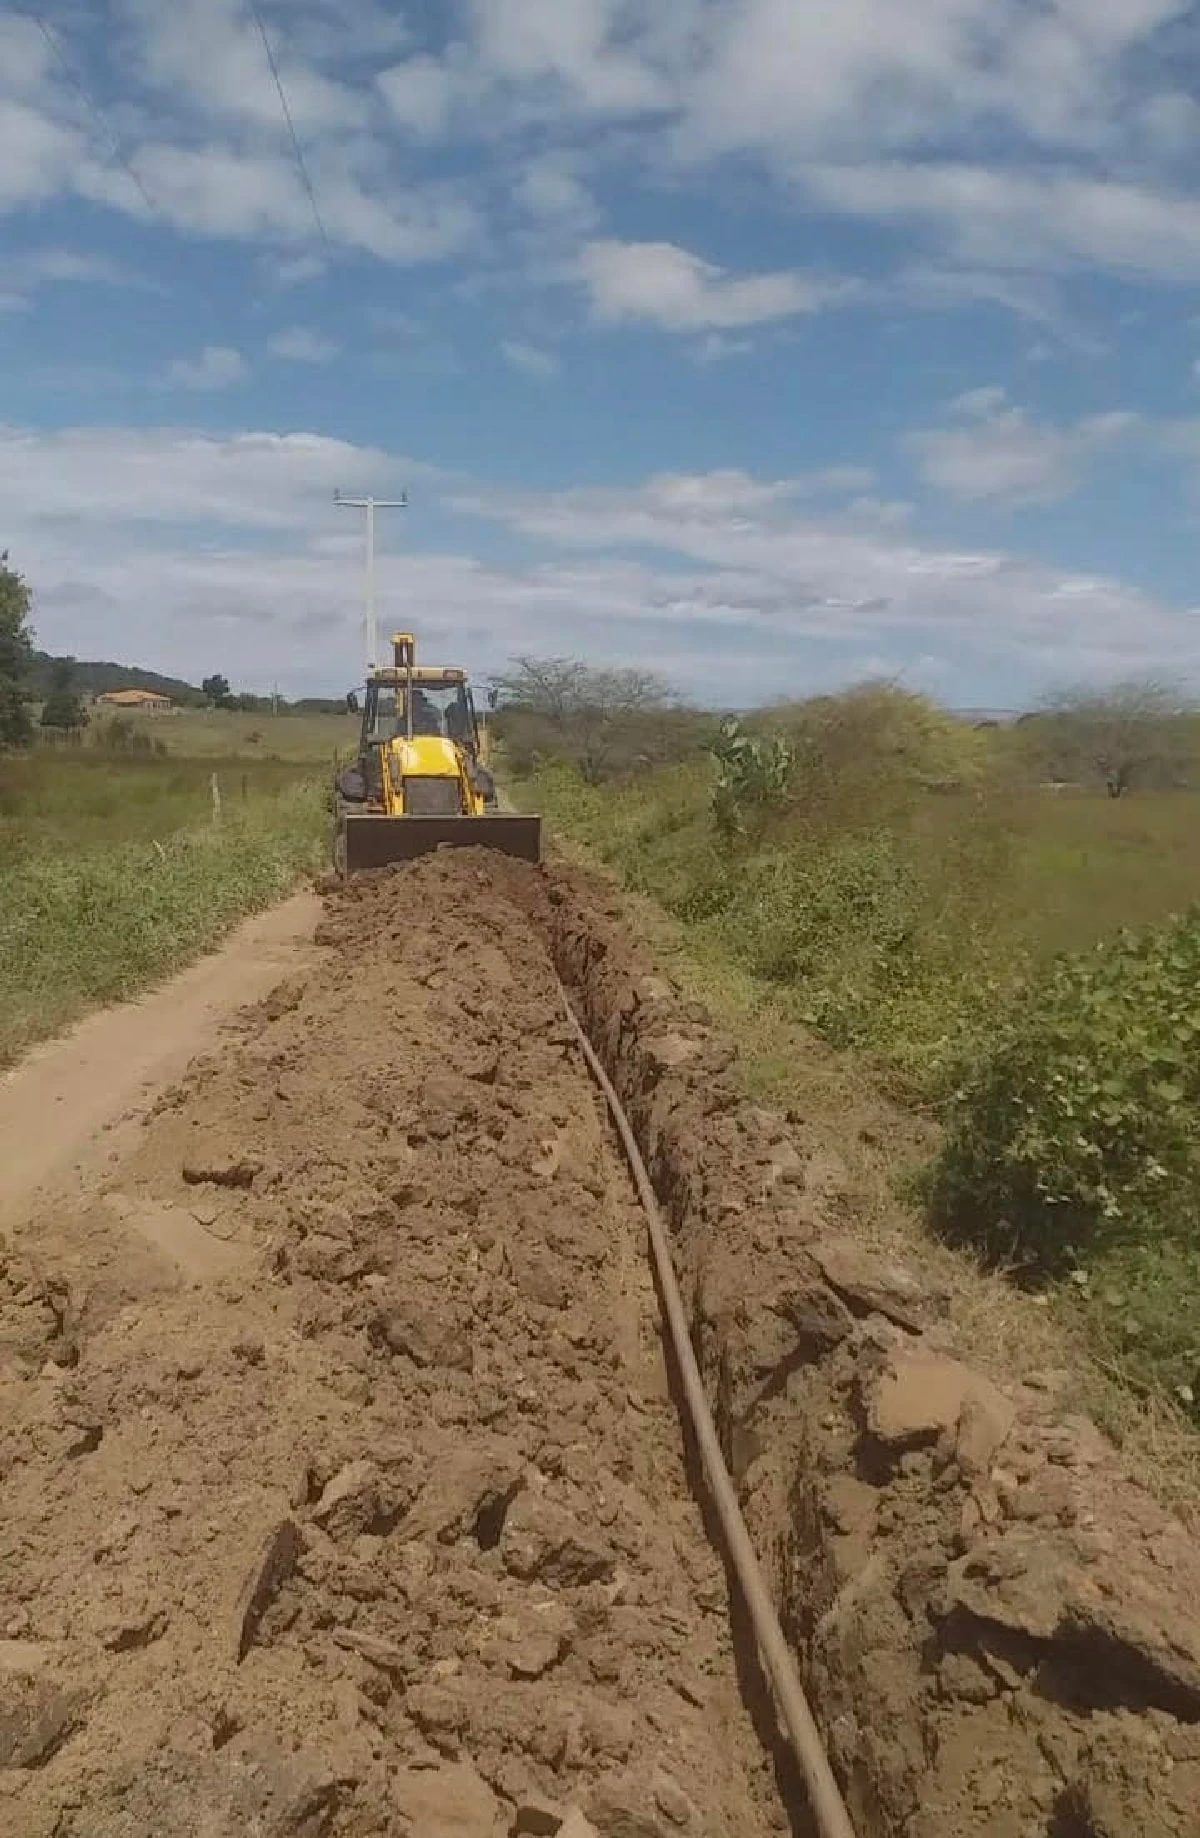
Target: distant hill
[[95, 679]]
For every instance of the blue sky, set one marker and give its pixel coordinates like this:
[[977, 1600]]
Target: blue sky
[[763, 343]]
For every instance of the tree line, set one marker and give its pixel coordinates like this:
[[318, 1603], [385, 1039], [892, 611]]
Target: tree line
[[608, 723]]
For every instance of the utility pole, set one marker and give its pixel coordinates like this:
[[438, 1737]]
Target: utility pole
[[371, 505]]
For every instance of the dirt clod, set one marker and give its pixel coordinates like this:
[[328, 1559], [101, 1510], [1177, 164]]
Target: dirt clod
[[36, 1718], [575, 1825], [870, 1282], [222, 1171], [272, 1564], [920, 1396]]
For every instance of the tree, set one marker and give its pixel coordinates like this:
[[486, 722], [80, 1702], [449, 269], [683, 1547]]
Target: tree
[[1136, 733], [64, 707], [216, 688], [603, 720], [16, 657]]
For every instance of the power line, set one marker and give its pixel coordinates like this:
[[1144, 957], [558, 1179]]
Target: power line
[[287, 116], [98, 121]]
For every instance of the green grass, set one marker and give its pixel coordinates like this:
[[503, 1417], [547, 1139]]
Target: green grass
[[206, 732], [56, 802], [913, 933], [113, 872]]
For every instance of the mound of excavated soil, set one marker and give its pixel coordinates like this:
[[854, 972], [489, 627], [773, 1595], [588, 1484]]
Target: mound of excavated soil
[[341, 1488]]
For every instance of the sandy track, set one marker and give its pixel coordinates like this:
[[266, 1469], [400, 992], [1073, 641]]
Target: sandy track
[[57, 1101], [342, 1487]]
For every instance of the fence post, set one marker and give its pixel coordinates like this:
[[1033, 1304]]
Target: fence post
[[216, 799]]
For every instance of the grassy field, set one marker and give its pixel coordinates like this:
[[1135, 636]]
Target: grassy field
[[951, 959], [113, 870], [205, 733], [883, 934]]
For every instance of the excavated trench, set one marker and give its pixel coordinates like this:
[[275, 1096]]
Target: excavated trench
[[342, 1487]]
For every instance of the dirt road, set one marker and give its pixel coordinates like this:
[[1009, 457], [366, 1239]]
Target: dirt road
[[343, 1492], [58, 1106]]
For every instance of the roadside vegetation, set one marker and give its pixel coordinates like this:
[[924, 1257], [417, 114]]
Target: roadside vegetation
[[995, 922], [130, 843]]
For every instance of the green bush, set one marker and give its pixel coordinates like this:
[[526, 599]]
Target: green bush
[[1141, 1306], [121, 734], [898, 889], [1078, 1131]]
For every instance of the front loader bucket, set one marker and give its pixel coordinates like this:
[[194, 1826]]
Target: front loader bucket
[[366, 841]]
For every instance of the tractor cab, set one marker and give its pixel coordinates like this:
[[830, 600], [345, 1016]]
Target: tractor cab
[[405, 700], [441, 705], [408, 702]]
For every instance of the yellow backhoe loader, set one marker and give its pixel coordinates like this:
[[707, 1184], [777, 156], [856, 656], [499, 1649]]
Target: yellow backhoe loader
[[421, 778]]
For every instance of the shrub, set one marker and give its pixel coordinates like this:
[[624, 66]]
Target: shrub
[[119, 734], [1141, 1305], [794, 909], [752, 776], [1078, 1131]]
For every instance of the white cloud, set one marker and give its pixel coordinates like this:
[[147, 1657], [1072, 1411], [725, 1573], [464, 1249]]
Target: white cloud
[[869, 109], [49, 264], [550, 190], [291, 270], [208, 55], [249, 481], [583, 47], [530, 358], [38, 155], [789, 81], [1014, 219], [938, 286], [779, 575], [420, 95], [198, 118], [300, 345], [717, 347], [222, 191], [670, 287], [328, 32], [998, 453], [216, 367], [31, 269], [25, 55], [987, 399], [764, 588]]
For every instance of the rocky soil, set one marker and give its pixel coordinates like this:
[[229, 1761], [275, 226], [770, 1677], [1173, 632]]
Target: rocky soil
[[999, 1627], [342, 1490]]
